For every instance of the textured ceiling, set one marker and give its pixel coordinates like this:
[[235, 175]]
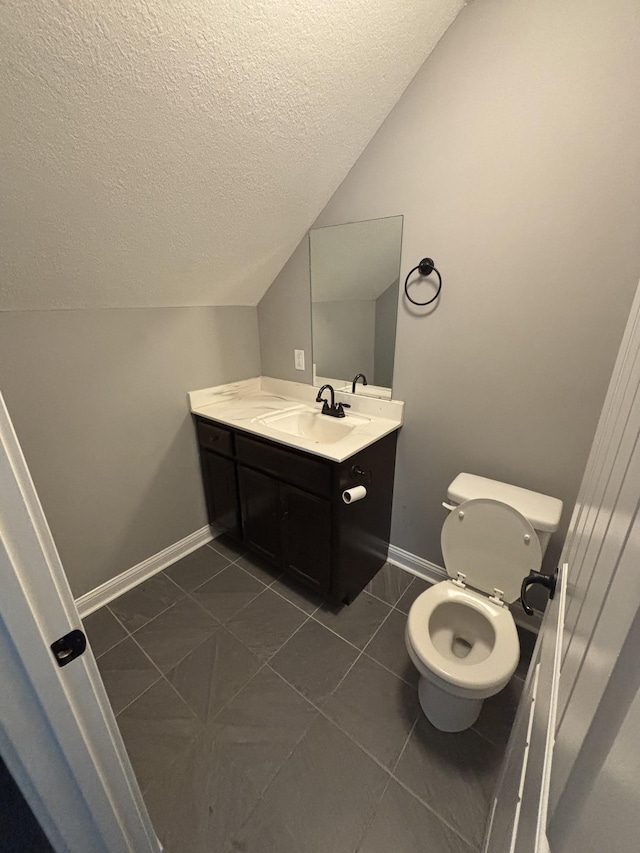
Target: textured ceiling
[[174, 153]]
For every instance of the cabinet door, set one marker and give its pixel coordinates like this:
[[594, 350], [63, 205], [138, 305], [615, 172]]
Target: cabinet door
[[261, 513], [307, 536], [221, 492]]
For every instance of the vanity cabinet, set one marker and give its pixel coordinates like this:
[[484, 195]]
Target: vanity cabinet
[[219, 476], [287, 526], [261, 513], [306, 543], [286, 506]]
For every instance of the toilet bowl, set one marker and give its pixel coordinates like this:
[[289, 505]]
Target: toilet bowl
[[465, 649], [460, 634]]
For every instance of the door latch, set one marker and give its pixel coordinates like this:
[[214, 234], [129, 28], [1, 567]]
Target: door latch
[[69, 647]]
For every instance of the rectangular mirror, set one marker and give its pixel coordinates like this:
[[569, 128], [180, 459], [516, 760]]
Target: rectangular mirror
[[355, 271]]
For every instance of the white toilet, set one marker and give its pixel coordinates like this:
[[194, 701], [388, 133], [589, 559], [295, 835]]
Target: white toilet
[[460, 633]]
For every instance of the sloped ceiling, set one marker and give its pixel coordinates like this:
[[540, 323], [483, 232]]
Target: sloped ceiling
[[160, 153]]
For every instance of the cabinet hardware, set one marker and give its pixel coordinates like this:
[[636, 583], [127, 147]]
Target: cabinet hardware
[[356, 471]]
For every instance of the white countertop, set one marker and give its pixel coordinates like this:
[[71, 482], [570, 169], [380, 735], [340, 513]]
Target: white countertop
[[245, 404]]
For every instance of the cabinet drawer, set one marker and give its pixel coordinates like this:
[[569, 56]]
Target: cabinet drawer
[[309, 474], [215, 438]]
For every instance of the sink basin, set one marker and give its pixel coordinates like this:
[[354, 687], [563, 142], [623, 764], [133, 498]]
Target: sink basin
[[322, 429]]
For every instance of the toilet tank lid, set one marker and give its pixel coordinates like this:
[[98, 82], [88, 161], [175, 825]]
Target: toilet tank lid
[[542, 512]]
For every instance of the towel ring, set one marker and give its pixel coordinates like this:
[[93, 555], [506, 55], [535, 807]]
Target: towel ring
[[425, 267]]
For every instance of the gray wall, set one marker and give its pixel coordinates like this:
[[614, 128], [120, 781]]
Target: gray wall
[[514, 157], [385, 336], [284, 319], [98, 400], [343, 338]]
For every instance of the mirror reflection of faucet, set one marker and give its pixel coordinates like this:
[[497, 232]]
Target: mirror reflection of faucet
[[355, 379], [333, 409]]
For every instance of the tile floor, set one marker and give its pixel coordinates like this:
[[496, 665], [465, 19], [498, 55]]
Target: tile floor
[[260, 719]]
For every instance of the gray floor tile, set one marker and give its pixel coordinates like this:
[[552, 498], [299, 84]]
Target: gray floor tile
[[314, 660], [454, 773], [213, 673], [266, 623], [403, 824], [103, 630], [179, 630], [263, 833], [126, 672], [242, 730], [156, 730], [498, 713], [390, 583], [228, 547], [259, 728], [327, 790], [357, 622], [303, 597], [388, 648], [197, 568], [146, 601], [259, 568], [228, 592], [375, 708], [202, 801], [416, 588]]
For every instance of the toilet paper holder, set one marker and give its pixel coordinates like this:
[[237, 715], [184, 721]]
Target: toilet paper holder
[[356, 471]]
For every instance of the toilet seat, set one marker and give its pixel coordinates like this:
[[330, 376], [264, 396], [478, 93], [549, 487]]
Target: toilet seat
[[492, 545], [483, 678]]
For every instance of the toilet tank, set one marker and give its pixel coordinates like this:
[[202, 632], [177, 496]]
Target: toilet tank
[[541, 511]]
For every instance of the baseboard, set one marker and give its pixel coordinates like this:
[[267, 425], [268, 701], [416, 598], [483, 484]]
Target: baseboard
[[433, 573], [125, 581], [416, 565]]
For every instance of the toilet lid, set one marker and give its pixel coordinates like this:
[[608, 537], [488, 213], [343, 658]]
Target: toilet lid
[[492, 544]]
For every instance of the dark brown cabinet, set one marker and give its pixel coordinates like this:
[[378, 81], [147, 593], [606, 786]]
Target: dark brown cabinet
[[261, 513], [221, 491], [286, 506], [306, 539], [287, 526]]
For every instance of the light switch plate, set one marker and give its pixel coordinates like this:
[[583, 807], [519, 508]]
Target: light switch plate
[[299, 359]]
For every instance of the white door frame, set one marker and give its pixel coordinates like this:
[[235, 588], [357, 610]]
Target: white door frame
[[585, 661], [58, 735]]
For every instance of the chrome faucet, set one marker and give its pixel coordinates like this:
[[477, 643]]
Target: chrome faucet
[[355, 379], [335, 410]]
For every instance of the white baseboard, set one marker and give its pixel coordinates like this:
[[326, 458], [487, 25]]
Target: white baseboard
[[415, 565], [125, 581], [433, 573]]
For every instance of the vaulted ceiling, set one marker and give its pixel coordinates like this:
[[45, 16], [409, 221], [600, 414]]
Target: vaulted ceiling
[[158, 153]]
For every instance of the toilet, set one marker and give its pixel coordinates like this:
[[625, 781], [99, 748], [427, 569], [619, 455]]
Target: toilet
[[460, 633]]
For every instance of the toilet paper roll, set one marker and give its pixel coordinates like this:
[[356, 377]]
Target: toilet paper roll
[[350, 496]]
